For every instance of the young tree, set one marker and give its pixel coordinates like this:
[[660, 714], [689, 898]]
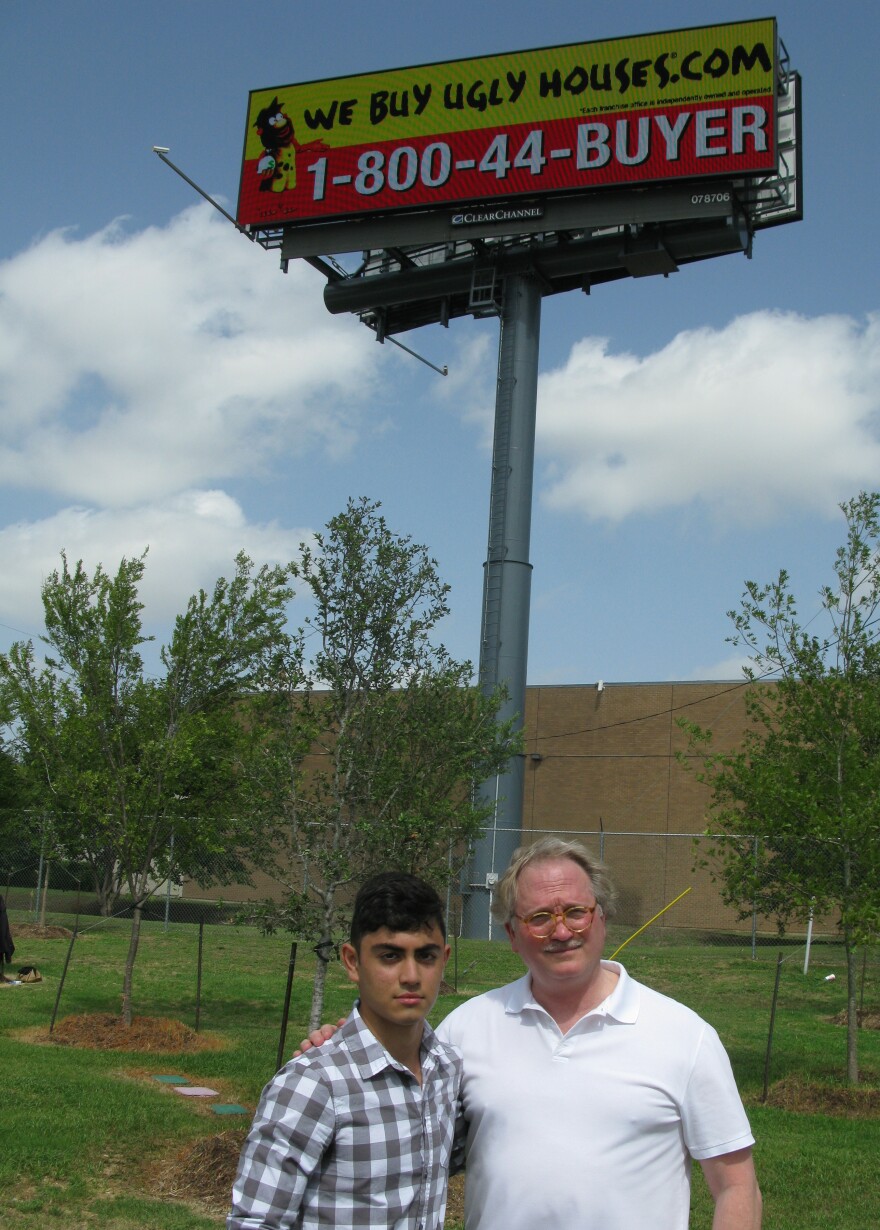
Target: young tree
[[806, 782], [396, 732], [120, 760]]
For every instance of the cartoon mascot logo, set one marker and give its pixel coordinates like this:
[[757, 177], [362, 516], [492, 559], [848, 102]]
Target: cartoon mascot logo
[[277, 167]]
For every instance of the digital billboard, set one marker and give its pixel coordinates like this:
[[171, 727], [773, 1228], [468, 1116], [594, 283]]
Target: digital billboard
[[686, 104]]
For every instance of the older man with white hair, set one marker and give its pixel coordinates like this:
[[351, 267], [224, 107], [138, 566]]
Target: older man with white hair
[[587, 1094]]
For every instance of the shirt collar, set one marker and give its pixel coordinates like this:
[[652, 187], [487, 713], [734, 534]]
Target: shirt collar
[[622, 1004], [371, 1057]]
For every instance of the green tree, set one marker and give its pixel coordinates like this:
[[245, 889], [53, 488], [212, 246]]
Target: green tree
[[16, 828], [395, 730], [120, 761], [806, 781]]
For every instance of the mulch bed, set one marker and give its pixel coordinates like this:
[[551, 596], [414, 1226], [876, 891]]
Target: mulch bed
[[867, 1019], [32, 931], [99, 1032], [848, 1102], [203, 1171]]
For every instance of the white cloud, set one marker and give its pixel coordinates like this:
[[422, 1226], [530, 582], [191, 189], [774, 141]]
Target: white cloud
[[731, 667], [193, 538], [772, 412], [470, 384], [137, 365]]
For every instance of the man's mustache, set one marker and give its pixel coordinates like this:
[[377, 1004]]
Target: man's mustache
[[564, 945]]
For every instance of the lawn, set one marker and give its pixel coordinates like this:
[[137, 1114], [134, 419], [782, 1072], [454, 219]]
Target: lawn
[[90, 1139]]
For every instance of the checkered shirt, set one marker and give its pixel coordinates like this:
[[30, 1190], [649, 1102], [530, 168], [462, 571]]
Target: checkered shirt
[[345, 1136]]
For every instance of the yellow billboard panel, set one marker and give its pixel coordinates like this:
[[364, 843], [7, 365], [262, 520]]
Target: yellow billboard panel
[[683, 104]]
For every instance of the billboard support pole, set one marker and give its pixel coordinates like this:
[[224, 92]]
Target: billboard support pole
[[504, 639]]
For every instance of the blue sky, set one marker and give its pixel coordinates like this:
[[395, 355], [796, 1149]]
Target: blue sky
[[162, 384]]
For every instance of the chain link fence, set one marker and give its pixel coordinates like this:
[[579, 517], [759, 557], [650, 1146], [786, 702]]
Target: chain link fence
[[670, 881], [664, 879]]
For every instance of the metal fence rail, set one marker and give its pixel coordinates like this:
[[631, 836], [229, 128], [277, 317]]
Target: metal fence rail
[[650, 870]]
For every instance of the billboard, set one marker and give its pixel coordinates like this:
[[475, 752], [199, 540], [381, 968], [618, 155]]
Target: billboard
[[689, 104]]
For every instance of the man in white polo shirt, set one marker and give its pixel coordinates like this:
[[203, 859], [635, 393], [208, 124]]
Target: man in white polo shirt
[[586, 1093]]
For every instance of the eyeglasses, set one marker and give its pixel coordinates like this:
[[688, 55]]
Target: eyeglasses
[[575, 918]]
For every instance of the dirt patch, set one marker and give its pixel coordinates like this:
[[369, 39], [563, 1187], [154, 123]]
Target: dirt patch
[[203, 1171], [32, 931], [800, 1096], [455, 1201], [98, 1032], [867, 1019]]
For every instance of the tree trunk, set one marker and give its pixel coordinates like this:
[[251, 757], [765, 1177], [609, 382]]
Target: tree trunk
[[129, 962], [852, 1012], [45, 895], [106, 886], [323, 952]]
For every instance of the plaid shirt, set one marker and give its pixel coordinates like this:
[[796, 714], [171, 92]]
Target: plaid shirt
[[346, 1137]]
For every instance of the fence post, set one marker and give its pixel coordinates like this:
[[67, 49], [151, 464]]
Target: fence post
[[39, 877], [755, 911], [199, 974], [809, 942], [63, 975], [770, 1030], [168, 880], [291, 965]]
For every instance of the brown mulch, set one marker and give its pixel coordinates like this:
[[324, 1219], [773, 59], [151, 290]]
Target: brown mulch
[[455, 1202], [848, 1102], [32, 931], [202, 1171], [868, 1019], [104, 1032]]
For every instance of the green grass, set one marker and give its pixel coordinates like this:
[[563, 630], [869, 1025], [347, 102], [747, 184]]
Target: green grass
[[84, 1130]]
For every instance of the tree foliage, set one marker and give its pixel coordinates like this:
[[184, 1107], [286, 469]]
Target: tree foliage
[[14, 817], [119, 761], [395, 730], [806, 781]]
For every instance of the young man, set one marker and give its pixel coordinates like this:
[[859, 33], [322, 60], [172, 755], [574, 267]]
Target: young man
[[360, 1133]]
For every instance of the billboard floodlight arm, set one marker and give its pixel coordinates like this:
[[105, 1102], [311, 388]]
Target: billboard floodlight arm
[[382, 336], [443, 371], [162, 152], [326, 265]]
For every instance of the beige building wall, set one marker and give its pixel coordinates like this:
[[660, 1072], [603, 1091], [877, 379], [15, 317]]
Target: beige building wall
[[609, 755], [601, 763]]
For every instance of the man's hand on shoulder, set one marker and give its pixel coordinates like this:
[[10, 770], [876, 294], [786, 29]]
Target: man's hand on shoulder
[[317, 1037]]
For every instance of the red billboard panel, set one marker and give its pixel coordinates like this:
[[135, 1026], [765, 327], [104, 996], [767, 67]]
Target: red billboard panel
[[685, 104]]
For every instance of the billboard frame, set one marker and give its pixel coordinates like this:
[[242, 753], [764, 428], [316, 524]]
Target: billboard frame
[[398, 224]]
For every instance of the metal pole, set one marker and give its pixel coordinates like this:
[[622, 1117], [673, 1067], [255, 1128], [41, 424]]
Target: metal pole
[[769, 1050], [168, 880], [40, 872], [755, 911], [809, 942], [504, 640], [199, 974], [291, 966], [63, 975]]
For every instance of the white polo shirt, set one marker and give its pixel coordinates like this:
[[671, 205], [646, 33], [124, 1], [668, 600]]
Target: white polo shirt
[[594, 1130]]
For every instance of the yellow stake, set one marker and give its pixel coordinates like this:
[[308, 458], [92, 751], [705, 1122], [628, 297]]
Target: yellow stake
[[648, 923]]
